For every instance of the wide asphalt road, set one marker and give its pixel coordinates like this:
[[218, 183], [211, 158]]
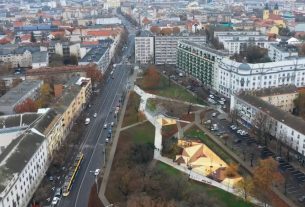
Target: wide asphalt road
[[95, 138]]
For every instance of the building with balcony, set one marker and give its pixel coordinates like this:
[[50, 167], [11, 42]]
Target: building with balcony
[[199, 60], [166, 46], [144, 48]]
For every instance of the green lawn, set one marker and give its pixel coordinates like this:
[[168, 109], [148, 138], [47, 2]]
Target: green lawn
[[143, 133], [195, 132], [171, 91], [151, 104], [228, 199]]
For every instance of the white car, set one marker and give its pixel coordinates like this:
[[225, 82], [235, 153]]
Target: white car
[[95, 115], [112, 124], [106, 140], [105, 126], [55, 201], [213, 114], [223, 99], [97, 172], [211, 96]]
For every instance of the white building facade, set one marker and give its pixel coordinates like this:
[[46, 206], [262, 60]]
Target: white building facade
[[144, 49], [166, 47], [279, 52], [234, 76], [20, 180], [282, 125]]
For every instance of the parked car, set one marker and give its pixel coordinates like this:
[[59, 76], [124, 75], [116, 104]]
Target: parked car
[[95, 115], [87, 121], [237, 141], [97, 172], [105, 126], [213, 114], [55, 201], [58, 192], [112, 124], [301, 199]]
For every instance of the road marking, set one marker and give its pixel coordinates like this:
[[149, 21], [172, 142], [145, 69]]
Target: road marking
[[96, 145]]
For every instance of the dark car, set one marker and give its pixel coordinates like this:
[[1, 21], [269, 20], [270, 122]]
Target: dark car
[[237, 141]]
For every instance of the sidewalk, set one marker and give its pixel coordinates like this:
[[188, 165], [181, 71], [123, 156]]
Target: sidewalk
[[107, 169]]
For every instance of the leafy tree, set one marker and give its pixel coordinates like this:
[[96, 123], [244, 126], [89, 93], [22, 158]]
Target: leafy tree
[[26, 106], [231, 170], [176, 30], [56, 60], [151, 77], [266, 175], [94, 73], [155, 29], [33, 38], [141, 153], [45, 95], [245, 188], [166, 31], [299, 103]]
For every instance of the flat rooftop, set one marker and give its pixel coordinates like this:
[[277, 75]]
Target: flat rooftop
[[15, 94], [287, 118], [95, 54], [276, 91], [71, 89], [283, 47], [17, 155], [206, 47], [17, 120]]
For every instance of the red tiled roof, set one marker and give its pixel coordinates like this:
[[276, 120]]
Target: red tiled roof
[[103, 33], [25, 37], [56, 22], [18, 24], [275, 17], [58, 33], [4, 41], [90, 43]]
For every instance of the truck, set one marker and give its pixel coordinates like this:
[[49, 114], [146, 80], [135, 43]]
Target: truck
[[87, 121]]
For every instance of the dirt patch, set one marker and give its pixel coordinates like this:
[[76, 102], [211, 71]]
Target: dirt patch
[[132, 114]]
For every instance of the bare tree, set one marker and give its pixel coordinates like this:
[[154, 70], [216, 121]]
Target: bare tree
[[262, 125]]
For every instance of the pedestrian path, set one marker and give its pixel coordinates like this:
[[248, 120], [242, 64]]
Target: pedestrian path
[[158, 147]]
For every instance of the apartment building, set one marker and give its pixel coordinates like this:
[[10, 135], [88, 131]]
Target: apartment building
[[166, 46], [22, 166], [75, 95], [282, 51], [237, 46], [199, 60], [98, 55], [284, 126], [236, 42], [234, 77], [16, 58], [144, 48], [26, 89], [282, 97]]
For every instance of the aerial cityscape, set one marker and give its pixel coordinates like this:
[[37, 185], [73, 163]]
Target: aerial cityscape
[[152, 103]]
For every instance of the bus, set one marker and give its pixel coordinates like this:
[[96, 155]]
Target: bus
[[73, 170]]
